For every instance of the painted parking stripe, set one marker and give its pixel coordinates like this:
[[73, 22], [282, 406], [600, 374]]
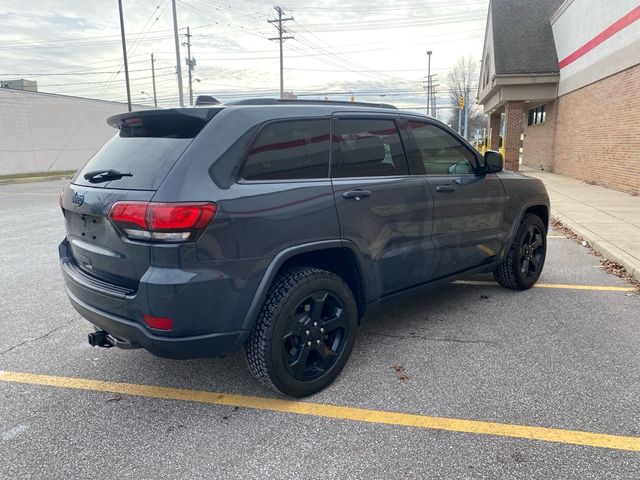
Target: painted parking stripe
[[544, 434], [600, 288]]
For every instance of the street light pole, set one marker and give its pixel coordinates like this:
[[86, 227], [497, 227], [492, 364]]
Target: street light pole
[[124, 55], [178, 62], [429, 106], [153, 79]]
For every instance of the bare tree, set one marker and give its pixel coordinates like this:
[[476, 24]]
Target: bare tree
[[461, 79]]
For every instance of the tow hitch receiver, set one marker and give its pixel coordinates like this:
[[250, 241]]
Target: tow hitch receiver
[[101, 339]]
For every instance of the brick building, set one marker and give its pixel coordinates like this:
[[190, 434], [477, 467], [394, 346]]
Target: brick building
[[561, 81]]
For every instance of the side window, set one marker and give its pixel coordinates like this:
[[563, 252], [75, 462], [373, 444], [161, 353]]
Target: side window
[[370, 148], [441, 152], [289, 150]]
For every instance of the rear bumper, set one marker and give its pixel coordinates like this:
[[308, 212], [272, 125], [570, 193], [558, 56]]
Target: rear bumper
[[134, 335], [207, 312]]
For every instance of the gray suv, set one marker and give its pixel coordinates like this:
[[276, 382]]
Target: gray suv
[[277, 225]]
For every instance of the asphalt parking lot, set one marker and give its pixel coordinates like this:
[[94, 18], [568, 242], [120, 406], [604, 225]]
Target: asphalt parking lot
[[469, 381]]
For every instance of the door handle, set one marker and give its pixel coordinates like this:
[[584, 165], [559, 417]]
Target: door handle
[[355, 194], [445, 188]]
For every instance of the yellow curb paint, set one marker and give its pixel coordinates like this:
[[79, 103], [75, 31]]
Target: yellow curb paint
[[601, 288], [543, 434]]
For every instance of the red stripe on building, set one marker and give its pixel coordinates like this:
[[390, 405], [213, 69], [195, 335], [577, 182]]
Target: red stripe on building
[[608, 32]]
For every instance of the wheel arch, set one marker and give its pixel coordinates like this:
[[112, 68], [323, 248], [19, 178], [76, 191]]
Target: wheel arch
[[538, 208], [541, 211], [337, 256]]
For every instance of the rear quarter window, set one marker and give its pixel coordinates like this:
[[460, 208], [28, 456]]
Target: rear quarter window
[[289, 150]]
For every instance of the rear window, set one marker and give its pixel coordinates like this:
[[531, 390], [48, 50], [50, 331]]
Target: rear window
[[147, 145], [289, 150]]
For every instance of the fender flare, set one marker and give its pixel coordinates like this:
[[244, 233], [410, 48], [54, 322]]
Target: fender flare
[[516, 224], [290, 252]]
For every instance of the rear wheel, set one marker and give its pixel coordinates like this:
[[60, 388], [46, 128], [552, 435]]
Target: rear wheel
[[523, 264], [304, 333]]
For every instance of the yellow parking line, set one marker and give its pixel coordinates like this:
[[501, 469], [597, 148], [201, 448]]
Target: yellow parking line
[[601, 288], [336, 412]]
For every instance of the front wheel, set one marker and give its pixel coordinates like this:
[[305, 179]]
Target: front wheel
[[305, 332], [523, 264]]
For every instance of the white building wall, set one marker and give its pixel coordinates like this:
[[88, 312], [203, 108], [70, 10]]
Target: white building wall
[[42, 132], [578, 22]]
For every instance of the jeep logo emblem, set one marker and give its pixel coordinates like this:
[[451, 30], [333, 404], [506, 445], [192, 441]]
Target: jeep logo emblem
[[77, 199]]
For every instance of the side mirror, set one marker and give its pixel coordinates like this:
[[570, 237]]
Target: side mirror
[[493, 162]]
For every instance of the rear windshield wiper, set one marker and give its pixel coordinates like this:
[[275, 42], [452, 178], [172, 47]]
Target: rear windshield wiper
[[97, 176]]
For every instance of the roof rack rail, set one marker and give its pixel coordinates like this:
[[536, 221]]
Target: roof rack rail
[[278, 101]]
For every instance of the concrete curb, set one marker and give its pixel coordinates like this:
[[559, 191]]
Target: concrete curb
[[607, 249], [8, 181]]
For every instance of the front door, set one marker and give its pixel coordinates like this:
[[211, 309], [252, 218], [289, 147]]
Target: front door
[[382, 209], [468, 229]]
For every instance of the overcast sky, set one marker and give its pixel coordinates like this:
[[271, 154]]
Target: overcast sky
[[377, 50]]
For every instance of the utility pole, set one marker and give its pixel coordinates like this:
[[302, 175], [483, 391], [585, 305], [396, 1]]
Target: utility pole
[[178, 62], [124, 54], [429, 86], [280, 39], [466, 111], [190, 64], [153, 79], [434, 91]]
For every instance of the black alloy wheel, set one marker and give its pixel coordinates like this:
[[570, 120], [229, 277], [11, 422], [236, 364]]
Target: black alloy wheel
[[532, 252], [523, 264], [305, 332], [316, 335]]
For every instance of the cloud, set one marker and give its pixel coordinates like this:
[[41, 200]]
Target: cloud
[[370, 49]]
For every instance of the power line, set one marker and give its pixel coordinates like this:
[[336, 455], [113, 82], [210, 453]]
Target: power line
[[60, 74]]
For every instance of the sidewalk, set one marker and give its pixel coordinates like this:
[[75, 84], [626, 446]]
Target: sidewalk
[[35, 177], [609, 220]]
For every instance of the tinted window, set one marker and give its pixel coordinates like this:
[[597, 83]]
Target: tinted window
[[147, 145], [290, 150], [148, 160], [370, 148], [441, 153]]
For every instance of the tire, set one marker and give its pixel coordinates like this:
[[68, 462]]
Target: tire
[[304, 333], [523, 264]]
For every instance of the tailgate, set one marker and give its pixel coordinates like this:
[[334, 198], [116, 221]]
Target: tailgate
[[96, 246]]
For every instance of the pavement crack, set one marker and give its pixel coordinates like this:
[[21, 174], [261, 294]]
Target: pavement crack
[[434, 339], [35, 339]]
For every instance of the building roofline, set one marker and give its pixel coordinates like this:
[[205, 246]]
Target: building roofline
[[484, 47], [532, 74], [561, 9], [13, 90]]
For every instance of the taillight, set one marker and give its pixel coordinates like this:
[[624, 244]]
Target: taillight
[[159, 323], [162, 222]]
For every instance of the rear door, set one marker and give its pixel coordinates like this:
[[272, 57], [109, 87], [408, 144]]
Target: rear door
[[382, 209], [468, 229], [146, 147]]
